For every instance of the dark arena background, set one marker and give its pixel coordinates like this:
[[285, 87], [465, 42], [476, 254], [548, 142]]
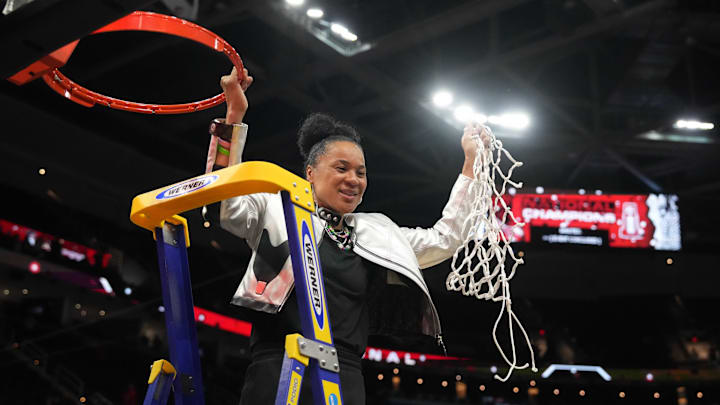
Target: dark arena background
[[612, 106]]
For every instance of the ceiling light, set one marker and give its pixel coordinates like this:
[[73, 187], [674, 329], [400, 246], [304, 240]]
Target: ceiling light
[[669, 137], [105, 285], [515, 120], [295, 3], [480, 118], [314, 13], [442, 98], [338, 29], [34, 267], [349, 36], [419, 381], [510, 120], [41, 171], [128, 291], [693, 125], [464, 113], [599, 370]]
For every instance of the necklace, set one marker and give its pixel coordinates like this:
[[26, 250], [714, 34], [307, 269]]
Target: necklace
[[332, 217], [341, 238]]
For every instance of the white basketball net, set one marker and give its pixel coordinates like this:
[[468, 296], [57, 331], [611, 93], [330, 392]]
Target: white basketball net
[[478, 266]]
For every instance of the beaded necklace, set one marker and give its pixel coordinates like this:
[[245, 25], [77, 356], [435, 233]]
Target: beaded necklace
[[341, 238]]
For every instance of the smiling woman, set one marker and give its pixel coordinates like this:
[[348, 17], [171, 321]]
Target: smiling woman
[[334, 163], [371, 267]]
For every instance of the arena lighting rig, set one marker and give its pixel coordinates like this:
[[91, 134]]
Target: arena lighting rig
[[443, 99], [333, 34], [690, 137], [694, 125]]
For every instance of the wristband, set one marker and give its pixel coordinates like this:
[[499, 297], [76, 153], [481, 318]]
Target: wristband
[[225, 144], [224, 131]]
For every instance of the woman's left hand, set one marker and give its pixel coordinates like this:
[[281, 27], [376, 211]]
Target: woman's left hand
[[234, 86]]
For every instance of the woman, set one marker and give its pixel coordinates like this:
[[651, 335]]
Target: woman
[[362, 254]]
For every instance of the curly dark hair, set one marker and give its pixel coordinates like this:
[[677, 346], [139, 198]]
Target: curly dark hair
[[319, 130]]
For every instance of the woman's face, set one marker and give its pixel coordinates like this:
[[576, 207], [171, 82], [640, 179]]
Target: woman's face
[[339, 177]]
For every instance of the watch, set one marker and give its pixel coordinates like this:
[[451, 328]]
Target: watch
[[224, 131]]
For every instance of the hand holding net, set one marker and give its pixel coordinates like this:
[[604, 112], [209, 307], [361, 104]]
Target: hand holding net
[[478, 266]]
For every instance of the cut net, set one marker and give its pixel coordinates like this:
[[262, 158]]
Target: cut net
[[478, 266]]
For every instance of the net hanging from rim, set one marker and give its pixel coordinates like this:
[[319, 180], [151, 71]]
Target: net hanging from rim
[[479, 265]]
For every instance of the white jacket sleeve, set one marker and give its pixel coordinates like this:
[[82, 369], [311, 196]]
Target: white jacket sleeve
[[242, 215], [437, 244]]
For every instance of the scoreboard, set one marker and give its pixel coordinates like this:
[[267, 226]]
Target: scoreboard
[[615, 220]]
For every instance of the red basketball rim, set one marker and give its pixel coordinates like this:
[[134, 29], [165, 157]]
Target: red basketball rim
[[153, 22]]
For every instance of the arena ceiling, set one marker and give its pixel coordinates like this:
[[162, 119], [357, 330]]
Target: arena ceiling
[[593, 76]]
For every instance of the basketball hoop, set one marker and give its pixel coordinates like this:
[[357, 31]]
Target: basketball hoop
[[137, 21]]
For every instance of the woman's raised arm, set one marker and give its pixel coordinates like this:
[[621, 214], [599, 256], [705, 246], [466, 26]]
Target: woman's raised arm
[[240, 215], [437, 244]]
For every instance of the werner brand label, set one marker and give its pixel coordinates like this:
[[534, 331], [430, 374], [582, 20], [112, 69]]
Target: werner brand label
[[313, 275], [294, 391], [186, 187]]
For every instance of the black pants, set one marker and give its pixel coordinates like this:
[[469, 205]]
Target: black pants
[[263, 373]]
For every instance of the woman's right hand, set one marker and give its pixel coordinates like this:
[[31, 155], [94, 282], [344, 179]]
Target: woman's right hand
[[473, 133], [234, 87]]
